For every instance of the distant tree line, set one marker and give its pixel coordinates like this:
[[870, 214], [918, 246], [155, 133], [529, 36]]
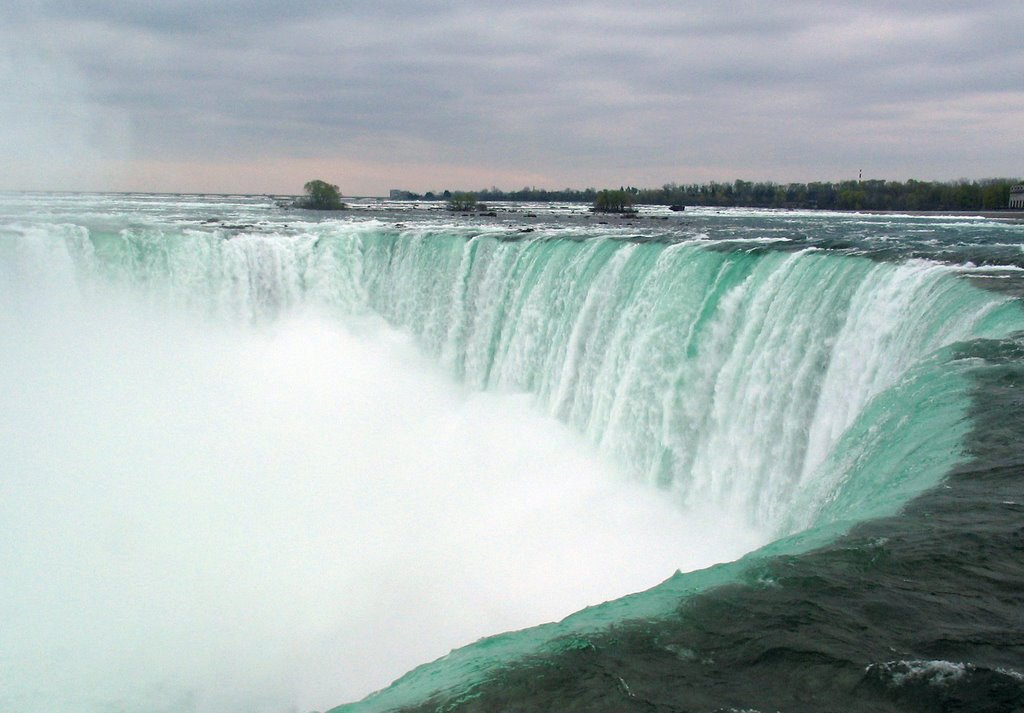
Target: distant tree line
[[987, 194], [537, 195]]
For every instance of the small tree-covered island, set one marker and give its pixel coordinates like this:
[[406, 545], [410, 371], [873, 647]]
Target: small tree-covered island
[[464, 202], [321, 195], [620, 201]]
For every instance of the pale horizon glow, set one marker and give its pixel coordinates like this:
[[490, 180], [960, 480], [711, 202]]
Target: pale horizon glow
[[259, 98]]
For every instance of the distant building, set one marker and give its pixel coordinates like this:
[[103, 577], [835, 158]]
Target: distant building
[[1017, 196], [400, 195]]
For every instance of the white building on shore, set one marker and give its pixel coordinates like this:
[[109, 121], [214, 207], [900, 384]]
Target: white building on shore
[[1017, 196]]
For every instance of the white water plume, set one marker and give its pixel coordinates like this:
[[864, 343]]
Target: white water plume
[[221, 519]]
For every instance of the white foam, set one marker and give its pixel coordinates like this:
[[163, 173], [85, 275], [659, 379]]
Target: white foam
[[932, 673]]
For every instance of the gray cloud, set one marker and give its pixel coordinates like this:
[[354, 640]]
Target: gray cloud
[[581, 93]]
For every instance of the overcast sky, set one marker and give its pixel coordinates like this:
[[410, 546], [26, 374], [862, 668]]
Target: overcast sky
[[260, 96]]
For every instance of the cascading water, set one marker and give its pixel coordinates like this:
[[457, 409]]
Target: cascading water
[[784, 393], [726, 377]]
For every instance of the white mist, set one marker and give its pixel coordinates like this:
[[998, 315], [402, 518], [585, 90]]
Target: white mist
[[223, 519]]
